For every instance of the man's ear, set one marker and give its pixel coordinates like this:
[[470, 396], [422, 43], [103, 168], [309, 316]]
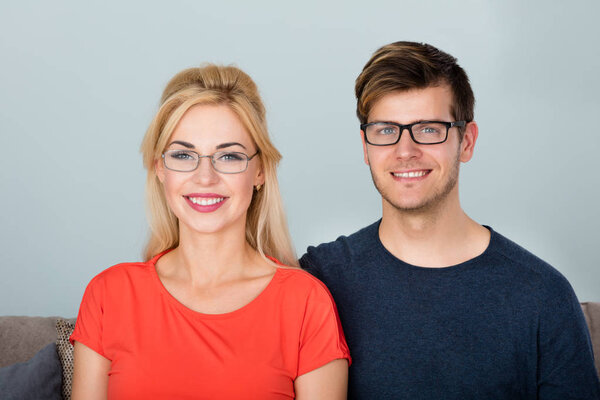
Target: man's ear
[[467, 145], [365, 154]]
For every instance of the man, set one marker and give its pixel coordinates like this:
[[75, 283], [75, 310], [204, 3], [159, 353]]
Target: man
[[433, 304]]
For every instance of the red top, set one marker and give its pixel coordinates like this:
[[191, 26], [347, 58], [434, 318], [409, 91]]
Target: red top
[[161, 349]]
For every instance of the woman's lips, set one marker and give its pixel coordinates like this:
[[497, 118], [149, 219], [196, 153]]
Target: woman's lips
[[205, 202]]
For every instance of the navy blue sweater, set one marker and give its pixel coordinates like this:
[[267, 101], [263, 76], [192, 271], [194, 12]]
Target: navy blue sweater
[[503, 325]]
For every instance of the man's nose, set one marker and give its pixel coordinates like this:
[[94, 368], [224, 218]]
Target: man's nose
[[406, 146]]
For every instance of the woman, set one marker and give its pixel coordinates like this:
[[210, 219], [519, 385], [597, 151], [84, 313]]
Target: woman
[[211, 313]]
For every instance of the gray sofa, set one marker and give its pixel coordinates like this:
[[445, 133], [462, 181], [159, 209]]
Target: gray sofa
[[22, 337]]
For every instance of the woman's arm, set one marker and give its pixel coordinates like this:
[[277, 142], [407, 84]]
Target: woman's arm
[[90, 374], [329, 382]]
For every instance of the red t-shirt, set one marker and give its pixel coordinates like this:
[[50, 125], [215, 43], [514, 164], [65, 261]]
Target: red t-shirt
[[161, 349]]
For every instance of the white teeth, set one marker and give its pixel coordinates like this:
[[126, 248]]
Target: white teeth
[[203, 201], [411, 174]]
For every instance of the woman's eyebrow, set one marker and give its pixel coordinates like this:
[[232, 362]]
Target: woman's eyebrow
[[228, 144], [184, 144], [221, 146]]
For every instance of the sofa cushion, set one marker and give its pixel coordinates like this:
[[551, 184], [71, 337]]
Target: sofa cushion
[[38, 378], [64, 329], [22, 337]]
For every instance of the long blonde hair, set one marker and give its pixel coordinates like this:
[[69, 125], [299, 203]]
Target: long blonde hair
[[266, 226]]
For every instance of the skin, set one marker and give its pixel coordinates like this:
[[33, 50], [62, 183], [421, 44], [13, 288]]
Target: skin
[[423, 223], [213, 270]]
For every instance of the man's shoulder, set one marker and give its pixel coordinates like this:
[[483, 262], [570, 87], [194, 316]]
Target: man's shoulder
[[523, 264], [342, 251]]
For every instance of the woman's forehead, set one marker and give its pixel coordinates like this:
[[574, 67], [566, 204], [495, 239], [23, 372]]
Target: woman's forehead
[[209, 126]]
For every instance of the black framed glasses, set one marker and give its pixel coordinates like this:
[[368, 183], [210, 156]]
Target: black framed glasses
[[225, 162], [422, 132]]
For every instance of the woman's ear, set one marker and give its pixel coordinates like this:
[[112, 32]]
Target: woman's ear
[[159, 170], [259, 178]]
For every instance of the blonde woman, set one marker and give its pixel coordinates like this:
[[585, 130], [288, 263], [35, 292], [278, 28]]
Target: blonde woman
[[212, 312]]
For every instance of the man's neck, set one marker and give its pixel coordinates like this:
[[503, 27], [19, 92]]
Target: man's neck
[[440, 236]]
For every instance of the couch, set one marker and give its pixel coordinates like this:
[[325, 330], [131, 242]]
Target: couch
[[21, 338]]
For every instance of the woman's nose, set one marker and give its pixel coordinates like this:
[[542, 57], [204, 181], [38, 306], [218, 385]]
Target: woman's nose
[[205, 173]]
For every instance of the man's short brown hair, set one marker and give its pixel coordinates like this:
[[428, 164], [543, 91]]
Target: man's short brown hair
[[403, 66]]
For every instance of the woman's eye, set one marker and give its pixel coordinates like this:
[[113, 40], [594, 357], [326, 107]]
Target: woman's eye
[[228, 157], [181, 155]]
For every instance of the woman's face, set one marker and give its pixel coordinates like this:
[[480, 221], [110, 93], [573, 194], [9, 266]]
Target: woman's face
[[205, 200]]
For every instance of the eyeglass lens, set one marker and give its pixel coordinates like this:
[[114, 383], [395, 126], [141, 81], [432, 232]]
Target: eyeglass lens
[[428, 133], [228, 162]]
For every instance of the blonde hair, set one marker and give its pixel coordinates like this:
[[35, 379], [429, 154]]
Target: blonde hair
[[266, 226]]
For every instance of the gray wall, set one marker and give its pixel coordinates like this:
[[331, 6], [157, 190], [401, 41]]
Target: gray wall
[[80, 82]]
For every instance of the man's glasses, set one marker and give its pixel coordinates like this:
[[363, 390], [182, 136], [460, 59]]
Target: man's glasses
[[225, 162], [423, 132]]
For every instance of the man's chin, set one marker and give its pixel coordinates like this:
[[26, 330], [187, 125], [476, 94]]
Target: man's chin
[[417, 206]]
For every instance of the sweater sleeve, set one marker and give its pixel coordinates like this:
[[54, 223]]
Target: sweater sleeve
[[89, 325], [565, 359], [321, 338]]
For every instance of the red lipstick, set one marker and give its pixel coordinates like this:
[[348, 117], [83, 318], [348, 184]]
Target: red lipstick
[[205, 202]]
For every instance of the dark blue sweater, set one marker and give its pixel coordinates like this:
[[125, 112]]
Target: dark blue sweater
[[503, 325]]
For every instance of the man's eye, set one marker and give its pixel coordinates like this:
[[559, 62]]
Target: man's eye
[[430, 130], [230, 157], [387, 130]]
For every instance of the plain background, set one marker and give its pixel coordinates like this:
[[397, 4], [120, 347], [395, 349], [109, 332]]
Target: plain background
[[80, 82]]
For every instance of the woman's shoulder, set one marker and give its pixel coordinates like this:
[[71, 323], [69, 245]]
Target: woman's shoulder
[[299, 283], [122, 272], [299, 276]]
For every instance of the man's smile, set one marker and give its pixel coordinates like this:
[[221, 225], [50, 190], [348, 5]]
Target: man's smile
[[413, 174]]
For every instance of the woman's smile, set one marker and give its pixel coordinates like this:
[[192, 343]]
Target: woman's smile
[[205, 202]]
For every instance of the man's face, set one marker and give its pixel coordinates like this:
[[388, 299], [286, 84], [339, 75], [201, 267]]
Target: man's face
[[411, 176]]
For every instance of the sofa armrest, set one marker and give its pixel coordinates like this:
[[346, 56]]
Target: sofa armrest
[[591, 312]]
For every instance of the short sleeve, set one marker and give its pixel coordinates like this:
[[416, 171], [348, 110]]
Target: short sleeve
[[321, 339], [88, 328]]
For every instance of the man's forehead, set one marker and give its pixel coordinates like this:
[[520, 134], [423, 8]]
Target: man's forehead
[[433, 102]]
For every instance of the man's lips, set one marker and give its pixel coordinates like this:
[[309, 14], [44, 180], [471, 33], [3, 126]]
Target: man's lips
[[411, 174]]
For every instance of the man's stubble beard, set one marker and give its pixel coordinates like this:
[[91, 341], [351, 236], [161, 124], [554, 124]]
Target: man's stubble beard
[[430, 204]]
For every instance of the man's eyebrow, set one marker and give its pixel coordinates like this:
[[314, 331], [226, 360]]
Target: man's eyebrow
[[398, 123], [228, 144], [184, 144]]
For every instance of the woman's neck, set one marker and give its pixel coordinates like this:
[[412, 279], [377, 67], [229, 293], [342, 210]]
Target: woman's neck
[[210, 258]]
